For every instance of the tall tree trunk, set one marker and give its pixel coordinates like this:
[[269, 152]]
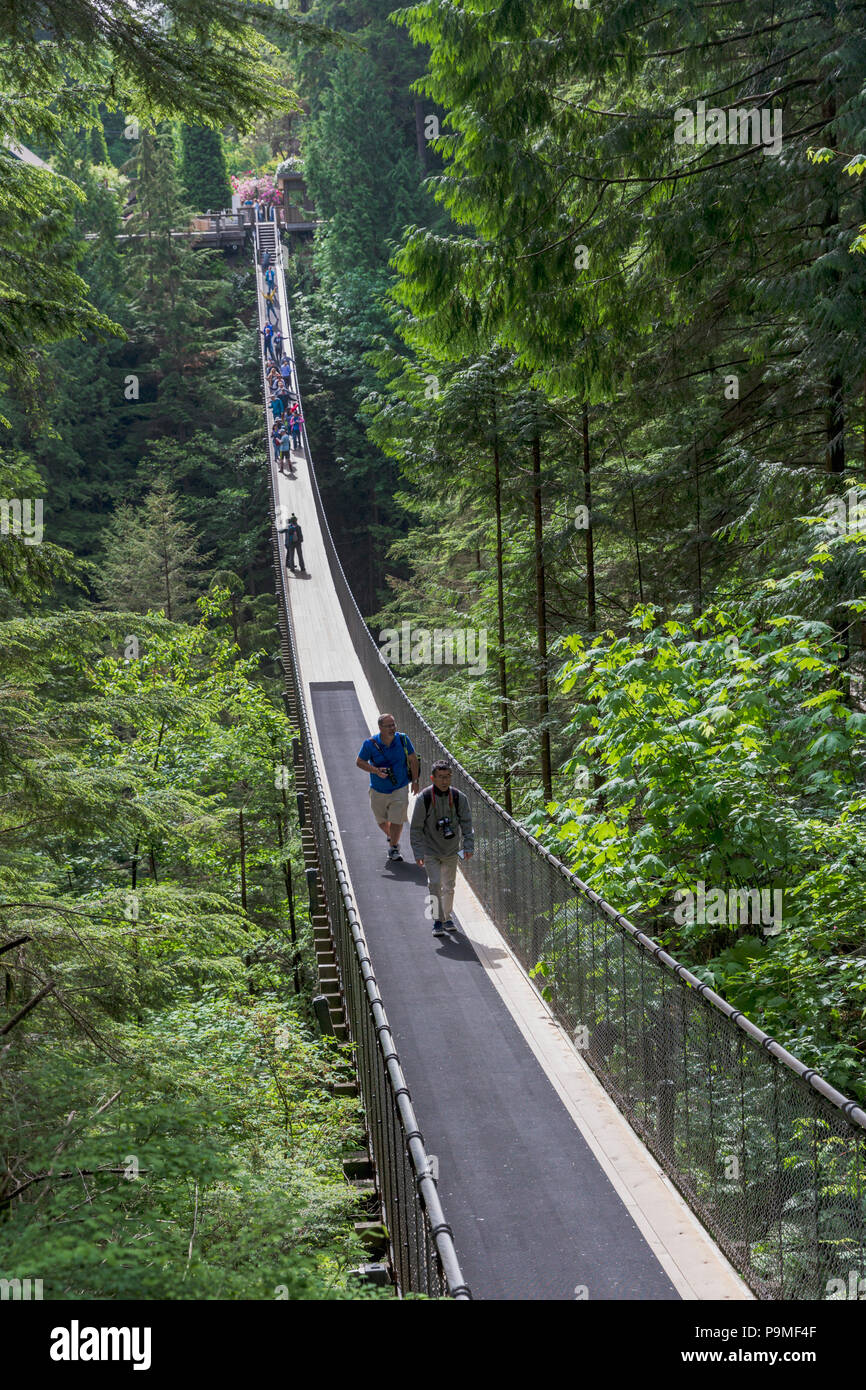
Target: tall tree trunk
[[636, 541], [166, 575], [590, 545], [371, 558], [700, 573], [419, 135], [541, 618], [500, 613], [290, 897], [834, 456], [243, 861], [835, 426]]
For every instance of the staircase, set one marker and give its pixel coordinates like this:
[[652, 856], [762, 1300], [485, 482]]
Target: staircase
[[266, 239]]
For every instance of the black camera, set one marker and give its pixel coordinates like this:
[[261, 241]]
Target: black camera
[[392, 776], [444, 824]]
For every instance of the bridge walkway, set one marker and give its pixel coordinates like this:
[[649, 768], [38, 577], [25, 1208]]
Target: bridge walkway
[[549, 1192]]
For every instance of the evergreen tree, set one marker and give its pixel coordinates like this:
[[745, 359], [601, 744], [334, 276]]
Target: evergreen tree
[[203, 169], [174, 290], [151, 558], [97, 148]]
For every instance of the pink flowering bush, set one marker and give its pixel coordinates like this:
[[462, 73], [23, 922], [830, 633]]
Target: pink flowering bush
[[253, 186]]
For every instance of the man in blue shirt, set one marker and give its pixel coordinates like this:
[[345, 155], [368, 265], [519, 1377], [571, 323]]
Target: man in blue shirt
[[392, 764]]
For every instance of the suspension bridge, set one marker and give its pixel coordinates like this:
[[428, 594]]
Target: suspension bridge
[[632, 1138]]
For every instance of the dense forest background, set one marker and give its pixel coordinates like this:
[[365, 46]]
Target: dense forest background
[[568, 382]]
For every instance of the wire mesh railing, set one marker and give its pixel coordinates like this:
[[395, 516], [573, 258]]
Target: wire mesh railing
[[421, 1243], [770, 1157]]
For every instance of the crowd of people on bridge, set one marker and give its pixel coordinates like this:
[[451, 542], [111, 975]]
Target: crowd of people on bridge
[[284, 405]]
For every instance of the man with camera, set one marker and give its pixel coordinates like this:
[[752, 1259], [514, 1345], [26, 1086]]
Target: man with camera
[[392, 764], [440, 819]]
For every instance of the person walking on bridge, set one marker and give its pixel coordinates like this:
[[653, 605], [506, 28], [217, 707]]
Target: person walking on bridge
[[284, 450], [273, 306], [440, 820], [266, 260], [392, 764], [268, 334], [270, 277], [294, 540]]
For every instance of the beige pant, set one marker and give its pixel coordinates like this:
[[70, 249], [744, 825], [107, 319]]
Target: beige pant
[[441, 876], [391, 805]]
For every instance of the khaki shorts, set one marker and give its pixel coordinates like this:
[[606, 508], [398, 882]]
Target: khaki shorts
[[391, 805]]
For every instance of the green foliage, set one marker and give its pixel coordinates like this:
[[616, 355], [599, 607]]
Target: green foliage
[[205, 1165], [150, 558], [720, 752], [150, 951], [59, 67], [203, 169]]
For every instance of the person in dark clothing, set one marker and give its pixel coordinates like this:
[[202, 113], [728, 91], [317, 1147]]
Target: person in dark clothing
[[440, 820], [268, 334], [266, 259], [294, 539], [278, 343]]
